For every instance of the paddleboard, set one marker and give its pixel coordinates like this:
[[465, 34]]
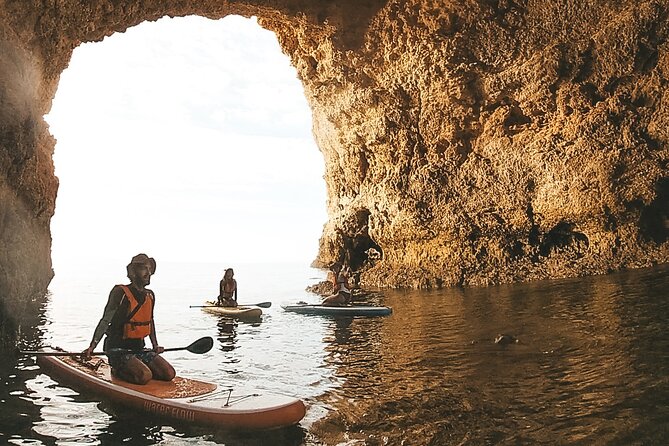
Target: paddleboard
[[348, 310], [182, 399], [241, 312]]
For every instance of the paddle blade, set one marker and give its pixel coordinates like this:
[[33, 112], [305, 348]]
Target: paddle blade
[[202, 345], [264, 304]]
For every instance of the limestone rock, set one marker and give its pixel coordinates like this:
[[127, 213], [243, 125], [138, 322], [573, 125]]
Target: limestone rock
[[466, 142]]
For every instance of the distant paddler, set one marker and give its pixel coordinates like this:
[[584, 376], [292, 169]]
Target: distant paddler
[[341, 295], [227, 295]]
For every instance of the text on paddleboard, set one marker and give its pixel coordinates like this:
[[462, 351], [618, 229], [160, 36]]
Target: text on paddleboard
[[174, 412]]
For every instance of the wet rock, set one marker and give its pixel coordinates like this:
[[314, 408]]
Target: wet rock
[[505, 339]]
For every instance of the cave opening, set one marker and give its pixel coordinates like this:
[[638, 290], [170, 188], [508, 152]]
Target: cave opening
[[564, 237], [361, 251], [654, 219], [188, 138]]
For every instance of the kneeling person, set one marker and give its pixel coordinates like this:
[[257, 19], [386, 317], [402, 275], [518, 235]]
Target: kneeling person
[[127, 320], [227, 295], [341, 295]]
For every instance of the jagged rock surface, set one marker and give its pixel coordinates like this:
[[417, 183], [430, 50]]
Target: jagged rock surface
[[475, 143], [466, 142]]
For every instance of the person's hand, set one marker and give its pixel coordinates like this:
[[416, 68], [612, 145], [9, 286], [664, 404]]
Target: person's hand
[[86, 354], [158, 349]]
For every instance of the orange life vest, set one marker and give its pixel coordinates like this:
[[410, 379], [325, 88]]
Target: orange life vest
[[139, 325]]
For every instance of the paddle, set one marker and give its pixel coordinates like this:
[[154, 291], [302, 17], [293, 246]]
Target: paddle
[[261, 305], [202, 345]]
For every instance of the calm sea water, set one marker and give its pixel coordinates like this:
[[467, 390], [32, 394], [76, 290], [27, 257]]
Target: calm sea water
[[591, 365]]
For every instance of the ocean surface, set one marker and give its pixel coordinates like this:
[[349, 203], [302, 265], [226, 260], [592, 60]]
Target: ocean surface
[[591, 365]]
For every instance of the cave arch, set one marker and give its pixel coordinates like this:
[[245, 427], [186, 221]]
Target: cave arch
[[36, 46], [397, 89], [201, 127]]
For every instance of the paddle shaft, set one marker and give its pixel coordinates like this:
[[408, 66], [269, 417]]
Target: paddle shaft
[[35, 353], [202, 345]]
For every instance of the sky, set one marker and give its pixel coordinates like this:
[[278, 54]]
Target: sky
[[188, 139]]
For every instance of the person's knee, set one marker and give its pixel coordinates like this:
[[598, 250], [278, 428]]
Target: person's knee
[[135, 376], [170, 374], [138, 372], [144, 376], [162, 370], [141, 374], [166, 374]]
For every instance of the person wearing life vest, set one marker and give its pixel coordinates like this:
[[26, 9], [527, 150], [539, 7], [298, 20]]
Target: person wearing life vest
[[126, 321], [341, 295]]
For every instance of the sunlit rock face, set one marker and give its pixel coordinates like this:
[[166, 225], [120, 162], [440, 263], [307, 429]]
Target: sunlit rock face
[[465, 142], [475, 143], [27, 184]]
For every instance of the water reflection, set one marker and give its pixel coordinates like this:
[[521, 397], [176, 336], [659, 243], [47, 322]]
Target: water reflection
[[589, 350], [591, 367], [17, 412], [227, 334], [228, 341]]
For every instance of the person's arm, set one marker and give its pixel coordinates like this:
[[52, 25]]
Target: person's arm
[[221, 285], [335, 282], [219, 300], [152, 335], [154, 339], [113, 302], [342, 281]]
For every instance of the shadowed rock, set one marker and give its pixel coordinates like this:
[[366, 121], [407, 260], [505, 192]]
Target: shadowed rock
[[505, 339]]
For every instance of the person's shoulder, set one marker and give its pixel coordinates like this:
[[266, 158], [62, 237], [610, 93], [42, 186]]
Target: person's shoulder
[[116, 289], [116, 294]]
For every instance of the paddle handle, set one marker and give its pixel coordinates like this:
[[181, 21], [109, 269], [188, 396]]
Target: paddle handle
[[175, 349]]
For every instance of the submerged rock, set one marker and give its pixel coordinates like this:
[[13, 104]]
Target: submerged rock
[[505, 339]]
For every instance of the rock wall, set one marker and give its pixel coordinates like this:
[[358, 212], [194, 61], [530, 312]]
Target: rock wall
[[27, 185], [482, 142], [466, 142]]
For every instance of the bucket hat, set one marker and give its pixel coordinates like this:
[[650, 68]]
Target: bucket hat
[[143, 259]]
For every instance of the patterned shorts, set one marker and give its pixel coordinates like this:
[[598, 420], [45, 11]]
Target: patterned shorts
[[119, 358]]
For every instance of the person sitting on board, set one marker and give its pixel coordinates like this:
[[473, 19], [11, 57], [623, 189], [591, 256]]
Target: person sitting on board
[[341, 295], [126, 321], [227, 296]]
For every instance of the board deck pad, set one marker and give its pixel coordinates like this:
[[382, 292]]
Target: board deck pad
[[241, 312], [177, 388]]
